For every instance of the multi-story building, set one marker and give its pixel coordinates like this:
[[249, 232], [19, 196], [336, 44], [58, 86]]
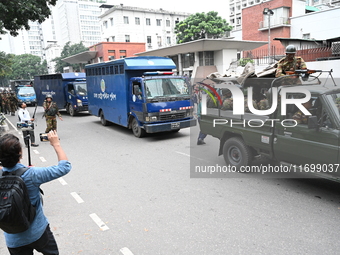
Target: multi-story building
[[298, 7], [133, 24], [78, 20]]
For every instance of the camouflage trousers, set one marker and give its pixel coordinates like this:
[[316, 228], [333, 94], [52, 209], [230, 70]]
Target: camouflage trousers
[[51, 123]]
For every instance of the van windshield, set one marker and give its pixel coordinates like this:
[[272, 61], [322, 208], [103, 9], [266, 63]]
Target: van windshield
[[26, 91], [166, 87], [335, 103], [81, 89]]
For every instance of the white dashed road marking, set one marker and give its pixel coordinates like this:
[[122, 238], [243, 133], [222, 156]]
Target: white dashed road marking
[[77, 197], [99, 222], [126, 251], [36, 152], [42, 159], [62, 181]]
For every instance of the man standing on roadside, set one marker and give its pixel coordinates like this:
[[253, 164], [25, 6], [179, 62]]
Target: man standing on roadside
[[51, 111], [24, 117]]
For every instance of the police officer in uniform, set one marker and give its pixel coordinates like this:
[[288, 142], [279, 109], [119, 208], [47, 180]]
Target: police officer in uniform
[[290, 63], [51, 111]]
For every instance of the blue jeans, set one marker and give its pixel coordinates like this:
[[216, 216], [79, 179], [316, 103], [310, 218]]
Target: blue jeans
[[46, 244], [201, 135]]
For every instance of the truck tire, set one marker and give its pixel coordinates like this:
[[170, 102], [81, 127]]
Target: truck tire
[[237, 153], [136, 129], [103, 120], [71, 111]]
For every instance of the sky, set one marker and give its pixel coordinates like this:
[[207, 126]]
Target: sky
[[188, 6]]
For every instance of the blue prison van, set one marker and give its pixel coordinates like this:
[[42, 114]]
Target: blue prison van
[[67, 89], [140, 93]]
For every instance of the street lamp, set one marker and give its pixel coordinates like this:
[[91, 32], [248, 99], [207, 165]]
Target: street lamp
[[267, 11]]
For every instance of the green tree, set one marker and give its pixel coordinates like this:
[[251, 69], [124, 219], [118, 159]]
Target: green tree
[[15, 15], [6, 61], [69, 50], [26, 66], [200, 26]]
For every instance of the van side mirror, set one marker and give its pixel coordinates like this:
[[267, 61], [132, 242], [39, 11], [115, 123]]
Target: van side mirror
[[313, 123]]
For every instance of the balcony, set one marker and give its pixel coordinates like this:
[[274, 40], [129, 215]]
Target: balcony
[[274, 23]]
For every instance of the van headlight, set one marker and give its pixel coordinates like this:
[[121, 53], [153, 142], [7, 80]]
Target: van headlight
[[79, 102], [151, 118]]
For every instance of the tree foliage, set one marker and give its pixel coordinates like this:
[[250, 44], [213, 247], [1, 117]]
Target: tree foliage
[[15, 15], [69, 50], [200, 26], [26, 66], [6, 61]]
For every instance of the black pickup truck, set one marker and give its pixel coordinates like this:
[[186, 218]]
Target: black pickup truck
[[311, 147]]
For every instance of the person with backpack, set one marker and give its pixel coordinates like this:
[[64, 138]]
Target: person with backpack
[[37, 235], [51, 111]]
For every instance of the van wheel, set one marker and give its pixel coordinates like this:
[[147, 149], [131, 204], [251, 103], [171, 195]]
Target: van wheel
[[71, 111], [103, 120], [237, 153], [136, 129]]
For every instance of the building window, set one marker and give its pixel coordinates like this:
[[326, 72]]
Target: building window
[[127, 38], [159, 40], [168, 40], [279, 17], [188, 60], [113, 38], [238, 21], [148, 22], [126, 20], [111, 22], [168, 23], [148, 39], [137, 21], [122, 53], [111, 51], [306, 36], [206, 58], [158, 22], [105, 24]]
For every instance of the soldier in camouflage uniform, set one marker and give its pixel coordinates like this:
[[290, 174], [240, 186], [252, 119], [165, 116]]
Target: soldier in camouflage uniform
[[1, 106], [290, 63], [13, 103], [5, 102], [299, 117], [227, 100], [260, 99], [51, 111], [246, 108]]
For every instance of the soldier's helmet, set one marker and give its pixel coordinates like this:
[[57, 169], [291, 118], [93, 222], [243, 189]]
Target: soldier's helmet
[[49, 96], [290, 49]]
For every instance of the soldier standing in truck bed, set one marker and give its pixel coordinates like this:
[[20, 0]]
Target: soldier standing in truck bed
[[290, 63]]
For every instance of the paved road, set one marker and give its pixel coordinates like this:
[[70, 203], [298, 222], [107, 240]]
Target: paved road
[[127, 196]]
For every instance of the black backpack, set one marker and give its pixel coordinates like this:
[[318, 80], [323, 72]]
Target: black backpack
[[16, 211]]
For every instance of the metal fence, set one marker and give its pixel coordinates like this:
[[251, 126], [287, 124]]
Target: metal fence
[[308, 53]]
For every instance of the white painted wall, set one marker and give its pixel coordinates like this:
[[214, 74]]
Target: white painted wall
[[326, 66], [320, 25]]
